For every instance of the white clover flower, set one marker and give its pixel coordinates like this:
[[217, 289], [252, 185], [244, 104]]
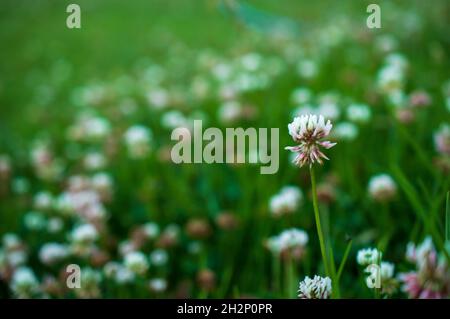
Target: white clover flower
[[346, 131], [386, 270], [85, 233], [442, 139], [158, 285], [43, 201], [151, 230], [102, 182], [301, 96], [308, 130], [137, 139], [118, 273], [358, 113], [35, 221], [307, 69], [293, 237], [158, 98], [286, 201], [382, 187], [95, 128], [136, 262], [316, 288], [329, 110], [368, 256], [229, 112], [159, 257], [16, 258], [94, 161], [174, 119], [287, 240], [51, 253], [11, 241], [251, 61], [24, 282], [54, 225]]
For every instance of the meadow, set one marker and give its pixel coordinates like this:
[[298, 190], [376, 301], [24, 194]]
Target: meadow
[[87, 178]]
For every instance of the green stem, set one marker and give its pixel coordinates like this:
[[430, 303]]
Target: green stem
[[317, 218]]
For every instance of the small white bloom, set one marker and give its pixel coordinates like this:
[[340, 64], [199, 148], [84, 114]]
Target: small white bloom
[[286, 201], [85, 233], [137, 139], [136, 262], [24, 283], [316, 288], [346, 131], [51, 253], [159, 257], [386, 270], [158, 285], [359, 113], [382, 187]]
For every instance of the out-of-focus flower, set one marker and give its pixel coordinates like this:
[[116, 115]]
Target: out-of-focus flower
[[90, 284], [157, 285], [346, 131], [84, 234], [136, 262], [198, 228], [159, 257], [118, 273], [137, 139], [431, 279], [35, 221], [368, 256], [308, 131], [382, 187], [158, 98], [329, 110], [5, 167], [316, 288], [286, 201], [307, 69], [227, 221], [419, 99], [206, 279], [24, 283], [358, 113], [301, 96], [442, 139], [43, 201], [289, 243], [51, 253]]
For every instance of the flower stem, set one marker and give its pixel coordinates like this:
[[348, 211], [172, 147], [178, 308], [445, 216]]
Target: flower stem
[[317, 218]]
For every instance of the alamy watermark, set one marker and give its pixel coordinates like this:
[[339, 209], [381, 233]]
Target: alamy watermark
[[239, 146]]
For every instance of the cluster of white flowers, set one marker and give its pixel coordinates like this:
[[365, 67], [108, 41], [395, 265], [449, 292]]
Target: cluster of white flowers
[[316, 288], [84, 234], [358, 113], [137, 140], [391, 78], [286, 201], [382, 187]]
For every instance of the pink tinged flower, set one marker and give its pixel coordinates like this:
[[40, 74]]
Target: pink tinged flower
[[308, 131]]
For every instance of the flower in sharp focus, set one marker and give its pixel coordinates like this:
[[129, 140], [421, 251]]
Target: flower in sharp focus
[[382, 187], [308, 131], [316, 288]]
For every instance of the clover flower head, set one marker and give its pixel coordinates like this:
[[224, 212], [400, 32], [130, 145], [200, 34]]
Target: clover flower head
[[286, 201], [316, 288], [308, 131], [382, 187]]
